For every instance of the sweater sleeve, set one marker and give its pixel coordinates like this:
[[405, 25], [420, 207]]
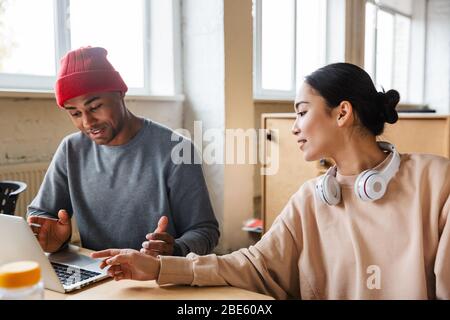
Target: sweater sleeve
[[53, 193], [442, 262], [192, 212], [270, 267]]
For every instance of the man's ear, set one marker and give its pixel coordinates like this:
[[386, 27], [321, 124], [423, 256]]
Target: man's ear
[[344, 114], [121, 96]]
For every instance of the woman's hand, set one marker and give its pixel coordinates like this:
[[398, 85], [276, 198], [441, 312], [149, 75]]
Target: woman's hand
[[128, 264]]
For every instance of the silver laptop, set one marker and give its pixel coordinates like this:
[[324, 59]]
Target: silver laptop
[[64, 271]]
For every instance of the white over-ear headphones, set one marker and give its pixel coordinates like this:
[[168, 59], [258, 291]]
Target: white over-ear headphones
[[370, 185]]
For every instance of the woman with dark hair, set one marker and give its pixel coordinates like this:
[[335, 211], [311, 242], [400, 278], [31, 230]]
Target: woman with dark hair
[[375, 226]]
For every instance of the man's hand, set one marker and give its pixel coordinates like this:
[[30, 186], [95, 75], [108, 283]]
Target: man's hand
[[51, 233], [159, 242], [128, 264]]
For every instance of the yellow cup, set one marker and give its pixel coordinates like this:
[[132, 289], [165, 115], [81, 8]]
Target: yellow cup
[[19, 274]]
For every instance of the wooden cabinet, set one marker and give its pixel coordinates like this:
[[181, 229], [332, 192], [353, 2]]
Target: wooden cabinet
[[293, 170], [412, 133], [418, 133]]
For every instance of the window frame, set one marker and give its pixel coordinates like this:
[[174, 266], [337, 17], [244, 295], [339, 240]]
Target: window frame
[[393, 12], [260, 94], [28, 83]]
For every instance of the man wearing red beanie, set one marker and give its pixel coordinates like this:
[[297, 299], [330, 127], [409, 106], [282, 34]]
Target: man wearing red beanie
[[116, 176]]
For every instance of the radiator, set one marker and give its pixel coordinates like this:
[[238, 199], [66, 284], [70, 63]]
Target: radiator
[[33, 175], [30, 173]]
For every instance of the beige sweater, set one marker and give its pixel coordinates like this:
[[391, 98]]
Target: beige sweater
[[395, 248]]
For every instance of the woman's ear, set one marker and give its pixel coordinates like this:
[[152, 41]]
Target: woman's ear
[[344, 114]]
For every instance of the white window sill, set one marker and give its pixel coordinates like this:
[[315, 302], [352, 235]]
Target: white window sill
[[178, 97], [38, 94], [41, 94], [273, 100]]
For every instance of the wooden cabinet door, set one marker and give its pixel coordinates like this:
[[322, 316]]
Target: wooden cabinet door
[[292, 172], [420, 134]]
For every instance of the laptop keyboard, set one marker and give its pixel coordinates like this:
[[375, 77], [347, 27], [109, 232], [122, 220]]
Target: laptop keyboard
[[69, 275]]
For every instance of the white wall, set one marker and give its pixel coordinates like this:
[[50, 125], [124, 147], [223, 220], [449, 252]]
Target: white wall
[[217, 77], [203, 79]]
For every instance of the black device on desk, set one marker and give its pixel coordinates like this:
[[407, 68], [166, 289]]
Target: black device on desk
[[417, 111], [414, 108]]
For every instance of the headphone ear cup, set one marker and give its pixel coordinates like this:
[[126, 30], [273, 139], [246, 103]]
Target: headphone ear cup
[[328, 190], [319, 188], [332, 190], [370, 185]]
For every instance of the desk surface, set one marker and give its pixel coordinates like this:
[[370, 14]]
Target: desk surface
[[150, 290]]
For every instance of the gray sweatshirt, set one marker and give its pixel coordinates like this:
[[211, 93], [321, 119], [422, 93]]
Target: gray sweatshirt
[[118, 193]]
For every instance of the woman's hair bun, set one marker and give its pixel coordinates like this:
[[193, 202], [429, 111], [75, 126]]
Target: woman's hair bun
[[387, 102]]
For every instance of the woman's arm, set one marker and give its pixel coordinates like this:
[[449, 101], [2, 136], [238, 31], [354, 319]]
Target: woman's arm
[[442, 262], [270, 267]]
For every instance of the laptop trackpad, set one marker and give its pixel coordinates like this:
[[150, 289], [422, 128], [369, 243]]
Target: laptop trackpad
[[72, 257]]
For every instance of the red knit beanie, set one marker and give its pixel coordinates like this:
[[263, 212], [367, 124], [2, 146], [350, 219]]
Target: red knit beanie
[[86, 70]]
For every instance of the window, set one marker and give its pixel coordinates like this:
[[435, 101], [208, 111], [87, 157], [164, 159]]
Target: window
[[139, 36], [387, 47], [110, 34], [27, 43], [289, 43]]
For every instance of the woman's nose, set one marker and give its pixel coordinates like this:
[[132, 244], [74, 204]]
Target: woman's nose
[[295, 128]]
